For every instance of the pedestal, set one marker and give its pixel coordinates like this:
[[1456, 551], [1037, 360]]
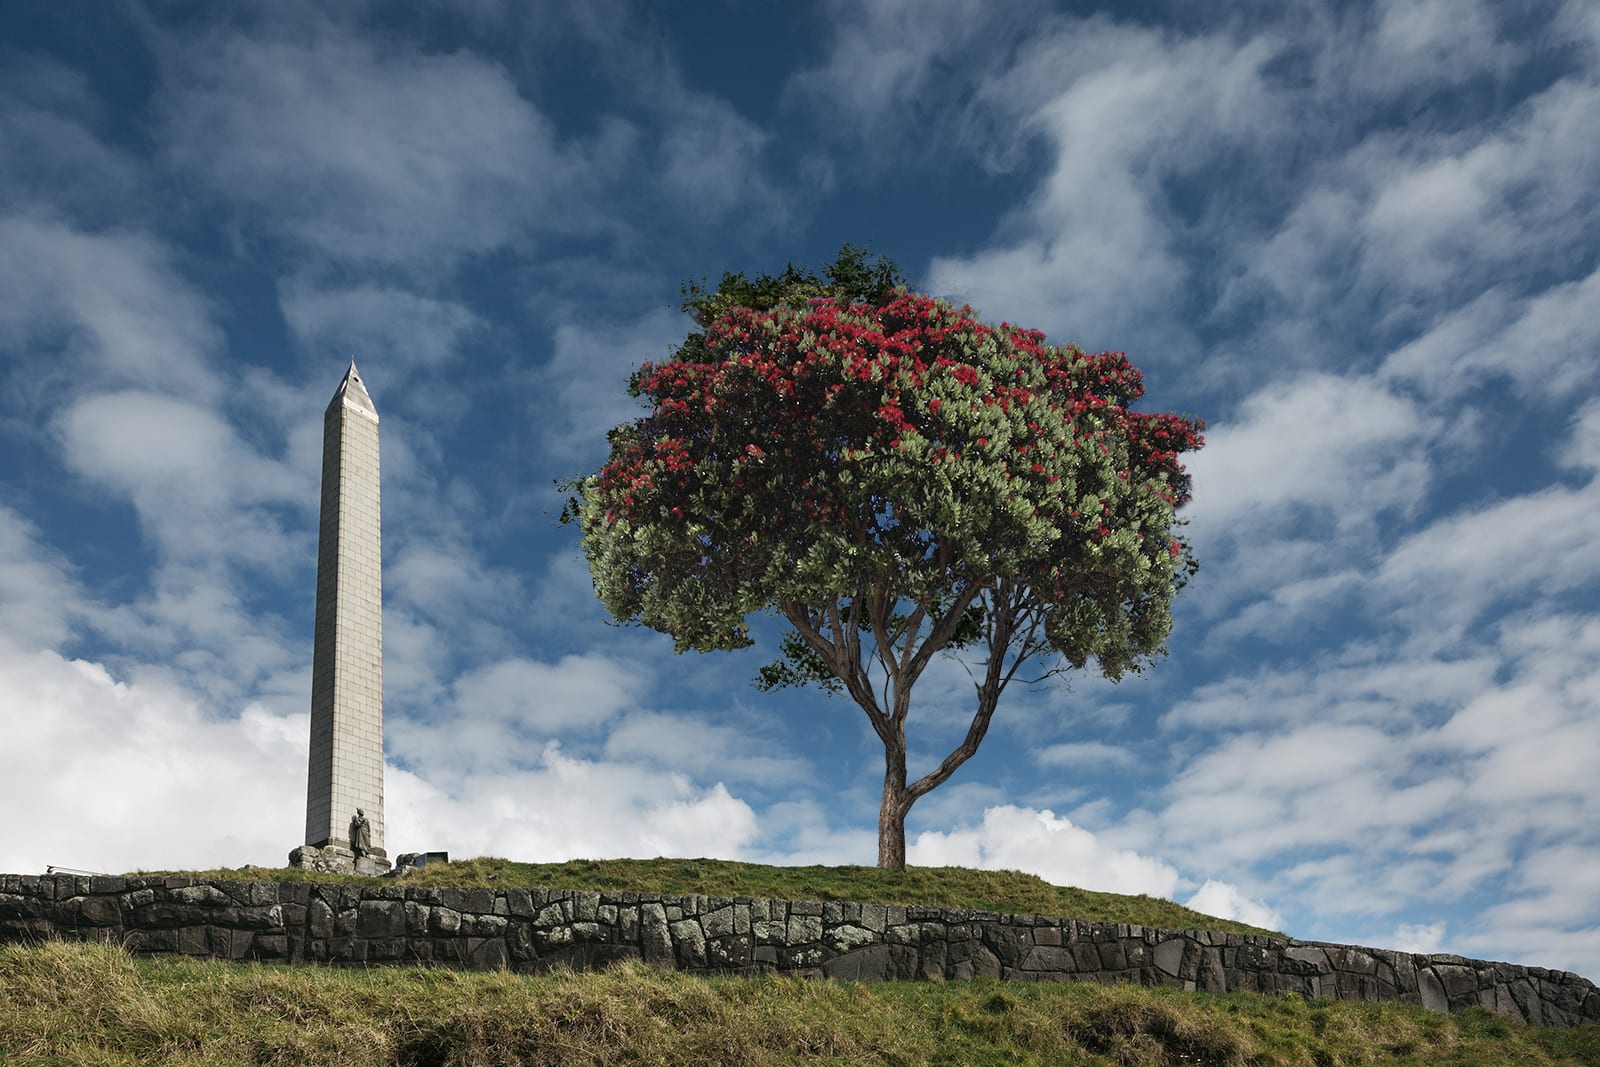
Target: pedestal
[[335, 859]]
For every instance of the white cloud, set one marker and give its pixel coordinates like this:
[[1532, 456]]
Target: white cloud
[[121, 775], [568, 808], [1410, 226], [496, 718], [576, 693], [53, 129], [1093, 254], [1539, 543], [370, 154], [198, 487], [799, 832], [1418, 937], [377, 325], [1345, 447], [1548, 345], [1040, 842], [1582, 449], [36, 586], [1091, 754], [710, 161], [111, 306], [1228, 902], [587, 378], [1431, 42], [729, 751], [884, 75]]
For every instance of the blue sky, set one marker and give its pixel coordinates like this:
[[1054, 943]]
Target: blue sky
[[1360, 240]]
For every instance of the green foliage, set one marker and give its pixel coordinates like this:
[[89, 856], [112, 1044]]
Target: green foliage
[[852, 277], [92, 1004], [898, 480], [894, 454]]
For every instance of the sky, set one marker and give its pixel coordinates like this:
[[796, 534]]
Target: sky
[[1361, 240]]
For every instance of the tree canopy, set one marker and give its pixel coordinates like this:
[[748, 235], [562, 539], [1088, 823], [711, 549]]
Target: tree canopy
[[895, 478]]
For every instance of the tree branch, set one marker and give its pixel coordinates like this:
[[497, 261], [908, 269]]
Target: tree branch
[[847, 670], [1000, 630]]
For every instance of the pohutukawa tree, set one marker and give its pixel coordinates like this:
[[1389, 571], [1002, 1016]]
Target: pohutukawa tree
[[897, 480]]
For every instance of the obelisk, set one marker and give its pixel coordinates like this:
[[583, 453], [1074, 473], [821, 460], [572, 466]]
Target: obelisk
[[344, 792]]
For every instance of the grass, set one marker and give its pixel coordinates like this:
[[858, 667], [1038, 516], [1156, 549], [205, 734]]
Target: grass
[[92, 1004], [952, 887]]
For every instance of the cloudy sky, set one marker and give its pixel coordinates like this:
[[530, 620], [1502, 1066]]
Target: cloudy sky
[[1361, 240]]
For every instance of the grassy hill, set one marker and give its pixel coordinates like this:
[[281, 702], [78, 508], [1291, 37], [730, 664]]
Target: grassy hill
[[93, 1004], [952, 887]]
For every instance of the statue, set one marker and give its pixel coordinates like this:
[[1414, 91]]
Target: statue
[[360, 834]]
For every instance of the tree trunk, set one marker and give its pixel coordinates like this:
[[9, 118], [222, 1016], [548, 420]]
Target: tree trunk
[[892, 812]]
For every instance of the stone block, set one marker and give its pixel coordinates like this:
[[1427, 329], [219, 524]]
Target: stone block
[[388, 949], [319, 919], [552, 938], [96, 910], [1310, 956], [269, 947], [1086, 956], [735, 950], [1008, 943], [803, 929], [903, 934], [973, 961], [1052, 959], [380, 919], [487, 954], [194, 941], [586, 906], [655, 939], [479, 925], [718, 923], [202, 895], [160, 916], [689, 941], [1432, 990], [870, 964], [846, 937], [1113, 957], [1458, 981]]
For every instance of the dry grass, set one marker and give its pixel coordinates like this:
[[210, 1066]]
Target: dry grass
[[93, 1005]]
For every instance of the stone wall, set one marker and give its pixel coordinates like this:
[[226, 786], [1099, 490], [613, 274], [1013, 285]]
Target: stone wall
[[532, 930]]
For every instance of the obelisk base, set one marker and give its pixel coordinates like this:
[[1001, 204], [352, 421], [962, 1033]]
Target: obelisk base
[[334, 859]]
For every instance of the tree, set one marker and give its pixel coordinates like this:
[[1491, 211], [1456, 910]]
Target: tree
[[897, 480]]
